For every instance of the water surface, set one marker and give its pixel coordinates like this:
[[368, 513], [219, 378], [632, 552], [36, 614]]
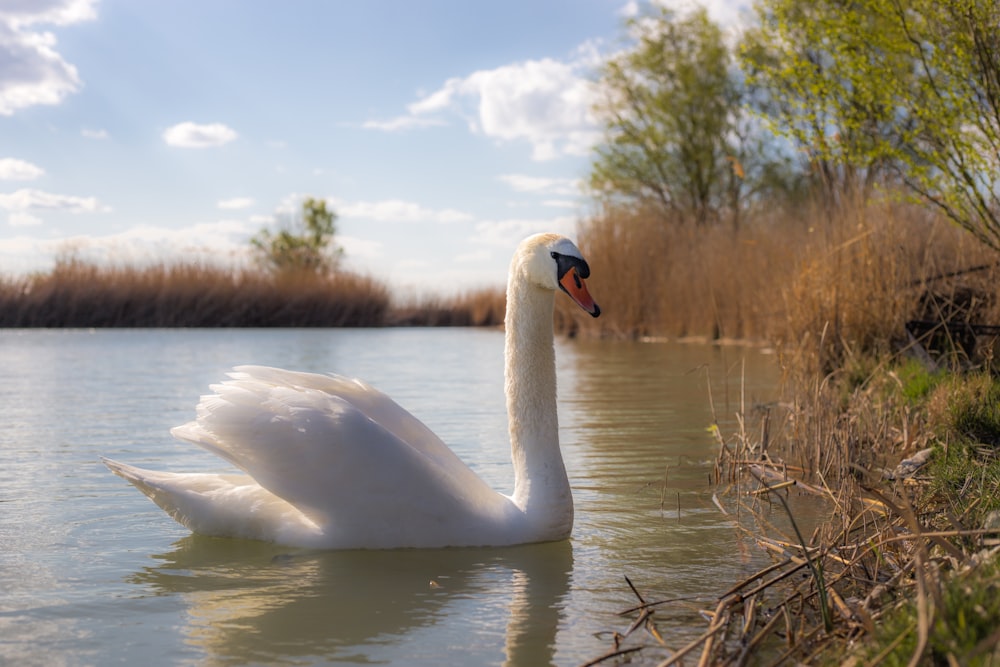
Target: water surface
[[91, 572]]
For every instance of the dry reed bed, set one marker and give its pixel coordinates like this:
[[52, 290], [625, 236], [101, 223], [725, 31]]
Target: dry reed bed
[[77, 294], [824, 285], [477, 308]]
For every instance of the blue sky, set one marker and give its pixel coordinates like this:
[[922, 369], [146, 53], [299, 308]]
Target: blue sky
[[441, 132]]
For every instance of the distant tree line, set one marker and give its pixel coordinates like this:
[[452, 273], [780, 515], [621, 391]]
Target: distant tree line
[[820, 98]]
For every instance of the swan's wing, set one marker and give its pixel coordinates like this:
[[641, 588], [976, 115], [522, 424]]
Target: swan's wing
[[373, 403], [222, 505], [320, 443]]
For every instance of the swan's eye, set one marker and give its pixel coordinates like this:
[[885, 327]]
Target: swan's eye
[[554, 255]]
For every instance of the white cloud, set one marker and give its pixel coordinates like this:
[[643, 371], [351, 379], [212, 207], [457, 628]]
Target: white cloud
[[22, 219], [545, 102], [731, 15], [58, 12], [27, 199], [508, 233], [194, 135], [402, 123], [542, 185], [439, 100], [218, 242], [12, 169], [360, 250], [630, 9], [235, 203], [94, 134], [474, 257], [394, 210], [32, 72]]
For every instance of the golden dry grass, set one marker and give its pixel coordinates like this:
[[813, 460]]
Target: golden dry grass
[[826, 286]]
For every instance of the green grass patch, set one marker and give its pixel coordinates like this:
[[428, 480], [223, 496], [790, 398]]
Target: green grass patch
[[916, 381], [963, 617]]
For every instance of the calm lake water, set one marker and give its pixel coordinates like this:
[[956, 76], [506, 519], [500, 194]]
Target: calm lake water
[[93, 573]]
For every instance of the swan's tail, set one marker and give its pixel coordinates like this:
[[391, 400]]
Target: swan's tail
[[220, 505]]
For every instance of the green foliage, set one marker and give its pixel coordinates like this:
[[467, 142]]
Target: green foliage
[[916, 381], [975, 414], [874, 90], [675, 138], [964, 414], [305, 246]]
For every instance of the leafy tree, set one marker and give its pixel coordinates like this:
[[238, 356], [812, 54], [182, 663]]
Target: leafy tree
[[889, 89], [304, 245], [831, 109], [675, 137]]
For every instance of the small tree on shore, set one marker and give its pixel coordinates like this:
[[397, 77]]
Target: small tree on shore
[[304, 245]]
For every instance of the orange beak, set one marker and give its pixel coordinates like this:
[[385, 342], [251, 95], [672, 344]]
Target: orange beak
[[573, 284]]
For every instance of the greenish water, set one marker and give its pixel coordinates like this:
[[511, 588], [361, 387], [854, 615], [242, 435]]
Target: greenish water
[[92, 573]]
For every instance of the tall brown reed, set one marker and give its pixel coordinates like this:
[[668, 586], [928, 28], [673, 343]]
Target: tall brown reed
[[80, 294], [660, 278], [482, 307], [824, 284]]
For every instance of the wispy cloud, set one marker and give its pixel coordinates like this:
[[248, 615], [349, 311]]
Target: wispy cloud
[[12, 169], [394, 210], [22, 219], [542, 184], [235, 203], [24, 203], [99, 134], [508, 233], [195, 135], [545, 102], [27, 199], [402, 123], [221, 241], [32, 71]]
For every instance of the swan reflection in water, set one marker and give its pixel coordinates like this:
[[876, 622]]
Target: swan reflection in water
[[255, 602]]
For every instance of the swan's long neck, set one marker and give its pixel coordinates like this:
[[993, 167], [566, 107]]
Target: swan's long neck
[[541, 488]]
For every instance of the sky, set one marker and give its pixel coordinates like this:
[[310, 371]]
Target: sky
[[441, 132]]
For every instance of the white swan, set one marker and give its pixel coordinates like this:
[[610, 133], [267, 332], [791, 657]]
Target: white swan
[[333, 463]]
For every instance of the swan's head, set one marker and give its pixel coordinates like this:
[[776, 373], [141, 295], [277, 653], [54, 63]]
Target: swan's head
[[554, 262]]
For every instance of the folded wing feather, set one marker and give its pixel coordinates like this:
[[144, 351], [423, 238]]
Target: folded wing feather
[[347, 456]]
